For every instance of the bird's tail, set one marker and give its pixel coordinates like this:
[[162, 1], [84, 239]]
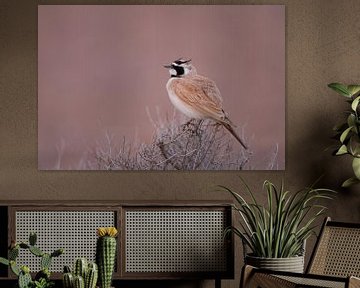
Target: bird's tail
[[232, 131]]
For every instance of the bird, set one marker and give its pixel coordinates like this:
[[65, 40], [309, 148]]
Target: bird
[[197, 96]]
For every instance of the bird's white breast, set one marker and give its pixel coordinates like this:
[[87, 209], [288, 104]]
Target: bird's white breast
[[179, 104]]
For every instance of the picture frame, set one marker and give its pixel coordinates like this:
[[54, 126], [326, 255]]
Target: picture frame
[[103, 97]]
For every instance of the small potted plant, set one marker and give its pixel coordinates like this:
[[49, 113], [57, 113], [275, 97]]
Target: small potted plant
[[87, 274], [275, 233], [84, 274], [42, 278], [348, 132], [106, 254]]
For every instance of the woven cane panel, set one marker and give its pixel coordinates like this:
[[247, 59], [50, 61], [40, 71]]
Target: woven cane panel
[[338, 253], [306, 282], [175, 241], [268, 280], [74, 231]]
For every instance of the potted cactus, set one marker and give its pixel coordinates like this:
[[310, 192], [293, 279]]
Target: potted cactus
[[84, 275], [106, 254], [42, 278]]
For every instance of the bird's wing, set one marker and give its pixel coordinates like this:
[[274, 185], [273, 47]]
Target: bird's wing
[[198, 97], [209, 87]]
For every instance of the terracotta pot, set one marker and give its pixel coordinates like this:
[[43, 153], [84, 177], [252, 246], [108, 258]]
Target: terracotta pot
[[291, 264]]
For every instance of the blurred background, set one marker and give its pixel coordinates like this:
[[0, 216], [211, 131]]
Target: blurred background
[[100, 71]]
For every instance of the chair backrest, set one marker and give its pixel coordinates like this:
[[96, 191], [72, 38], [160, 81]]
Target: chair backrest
[[337, 251]]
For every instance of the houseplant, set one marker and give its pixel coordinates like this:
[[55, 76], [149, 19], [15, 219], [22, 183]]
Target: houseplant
[[348, 132], [42, 278], [84, 274], [106, 254], [276, 233]]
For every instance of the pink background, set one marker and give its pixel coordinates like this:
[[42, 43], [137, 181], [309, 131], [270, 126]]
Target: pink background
[[101, 66]]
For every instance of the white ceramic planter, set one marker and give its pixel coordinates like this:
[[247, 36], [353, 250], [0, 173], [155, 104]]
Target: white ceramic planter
[[291, 264]]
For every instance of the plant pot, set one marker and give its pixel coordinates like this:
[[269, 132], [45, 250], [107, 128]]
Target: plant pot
[[291, 264]]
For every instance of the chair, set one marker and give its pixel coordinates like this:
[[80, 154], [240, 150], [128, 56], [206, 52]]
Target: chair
[[335, 262]]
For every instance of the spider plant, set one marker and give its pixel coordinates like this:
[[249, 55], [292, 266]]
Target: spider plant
[[279, 229]]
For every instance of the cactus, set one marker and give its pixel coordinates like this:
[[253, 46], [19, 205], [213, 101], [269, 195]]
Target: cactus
[[42, 278], [80, 267], [87, 272], [36, 251], [106, 254], [25, 269], [44, 273], [24, 280], [13, 253], [67, 269], [32, 238], [24, 246], [45, 261], [57, 253], [79, 282], [91, 276], [68, 280]]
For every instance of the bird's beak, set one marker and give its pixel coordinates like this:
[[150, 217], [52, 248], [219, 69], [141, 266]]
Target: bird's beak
[[167, 66]]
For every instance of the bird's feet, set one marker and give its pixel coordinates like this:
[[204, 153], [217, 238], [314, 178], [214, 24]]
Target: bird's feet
[[193, 126]]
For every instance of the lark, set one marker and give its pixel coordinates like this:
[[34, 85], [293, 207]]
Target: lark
[[197, 96]]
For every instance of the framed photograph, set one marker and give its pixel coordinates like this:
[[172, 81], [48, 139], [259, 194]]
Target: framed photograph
[[161, 87]]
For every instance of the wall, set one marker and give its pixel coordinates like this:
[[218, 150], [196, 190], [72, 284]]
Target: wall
[[322, 43]]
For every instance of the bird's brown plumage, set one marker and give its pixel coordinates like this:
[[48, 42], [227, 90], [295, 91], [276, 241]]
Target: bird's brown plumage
[[198, 97]]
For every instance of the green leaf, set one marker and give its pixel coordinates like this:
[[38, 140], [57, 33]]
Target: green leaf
[[345, 134], [342, 150], [14, 268], [349, 182], [4, 261], [355, 103], [354, 145], [351, 120], [353, 89], [280, 227], [340, 88], [356, 167]]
